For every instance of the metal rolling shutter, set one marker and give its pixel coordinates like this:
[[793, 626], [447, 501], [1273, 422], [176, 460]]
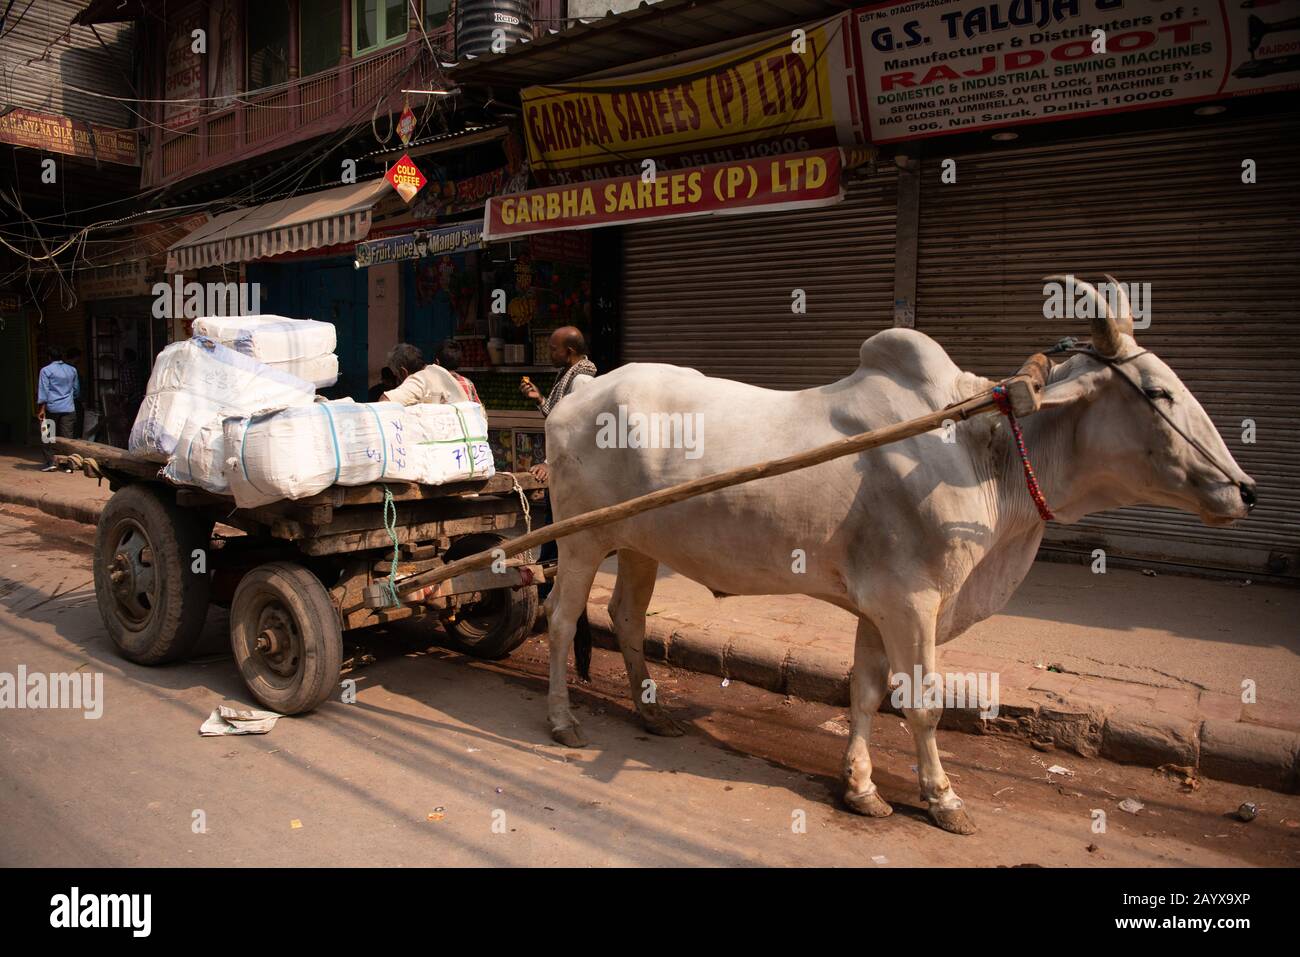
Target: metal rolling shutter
[[714, 294], [37, 67], [1166, 207]]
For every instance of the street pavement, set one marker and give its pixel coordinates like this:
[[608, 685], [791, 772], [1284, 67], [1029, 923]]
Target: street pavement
[[446, 761]]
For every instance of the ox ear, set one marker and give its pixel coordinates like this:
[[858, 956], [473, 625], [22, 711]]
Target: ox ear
[[1067, 387]]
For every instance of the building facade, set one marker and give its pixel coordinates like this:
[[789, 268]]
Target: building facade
[[69, 152], [1001, 159]]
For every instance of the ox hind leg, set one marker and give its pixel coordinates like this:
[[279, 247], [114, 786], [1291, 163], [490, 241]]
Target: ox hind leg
[[909, 637], [580, 557], [627, 608], [867, 687]]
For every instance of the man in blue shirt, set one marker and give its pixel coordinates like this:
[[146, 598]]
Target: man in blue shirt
[[57, 392]]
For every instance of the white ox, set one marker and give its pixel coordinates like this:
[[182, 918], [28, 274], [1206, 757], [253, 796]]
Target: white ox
[[919, 539]]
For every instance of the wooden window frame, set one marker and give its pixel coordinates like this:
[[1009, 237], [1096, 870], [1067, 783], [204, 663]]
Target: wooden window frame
[[381, 25]]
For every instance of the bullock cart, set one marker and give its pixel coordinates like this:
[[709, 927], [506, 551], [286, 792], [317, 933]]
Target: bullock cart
[[295, 574], [305, 571]]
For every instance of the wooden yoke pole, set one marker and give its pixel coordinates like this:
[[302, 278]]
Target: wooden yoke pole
[[1025, 390]]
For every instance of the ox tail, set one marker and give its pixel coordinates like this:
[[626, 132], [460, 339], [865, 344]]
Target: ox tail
[[582, 647]]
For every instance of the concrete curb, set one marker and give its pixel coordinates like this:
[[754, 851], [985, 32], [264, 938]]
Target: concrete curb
[[1250, 754], [1233, 751], [1135, 737], [1238, 752], [56, 505]]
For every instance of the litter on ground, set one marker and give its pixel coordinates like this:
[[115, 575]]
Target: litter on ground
[[227, 720]]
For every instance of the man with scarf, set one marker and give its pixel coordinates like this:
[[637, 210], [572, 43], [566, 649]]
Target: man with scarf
[[568, 352]]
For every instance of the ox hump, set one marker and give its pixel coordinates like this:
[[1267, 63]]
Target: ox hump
[[906, 355], [647, 385]]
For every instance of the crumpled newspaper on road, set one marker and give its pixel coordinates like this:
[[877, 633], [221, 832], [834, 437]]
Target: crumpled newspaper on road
[[227, 720]]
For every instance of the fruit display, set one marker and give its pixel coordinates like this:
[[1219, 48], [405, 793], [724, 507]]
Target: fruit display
[[473, 351], [500, 390], [541, 346]]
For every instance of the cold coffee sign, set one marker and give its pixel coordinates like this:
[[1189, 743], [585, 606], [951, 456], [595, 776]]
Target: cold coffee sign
[[406, 178], [932, 67]]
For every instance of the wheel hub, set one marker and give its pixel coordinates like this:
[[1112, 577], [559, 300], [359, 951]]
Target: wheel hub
[[131, 574], [277, 641]]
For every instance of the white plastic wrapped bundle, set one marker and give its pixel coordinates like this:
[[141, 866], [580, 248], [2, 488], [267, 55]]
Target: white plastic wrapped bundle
[[295, 453], [200, 457], [199, 379], [449, 442], [270, 338], [321, 371]]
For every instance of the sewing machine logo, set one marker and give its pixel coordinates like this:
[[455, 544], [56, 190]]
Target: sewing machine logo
[[1269, 58]]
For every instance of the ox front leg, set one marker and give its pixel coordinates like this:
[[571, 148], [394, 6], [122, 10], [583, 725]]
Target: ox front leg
[[867, 687], [565, 604], [627, 608], [909, 641]]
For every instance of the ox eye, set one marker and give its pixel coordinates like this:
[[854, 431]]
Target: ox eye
[[1155, 392]]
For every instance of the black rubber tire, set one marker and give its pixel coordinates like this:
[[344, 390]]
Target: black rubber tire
[[499, 624], [155, 614], [305, 673]]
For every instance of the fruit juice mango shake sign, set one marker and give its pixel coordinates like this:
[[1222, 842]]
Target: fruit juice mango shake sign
[[932, 67]]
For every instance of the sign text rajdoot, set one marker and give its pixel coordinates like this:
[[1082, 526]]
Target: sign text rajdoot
[[932, 67]]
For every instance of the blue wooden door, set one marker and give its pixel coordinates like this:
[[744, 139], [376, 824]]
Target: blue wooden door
[[339, 293], [330, 290]]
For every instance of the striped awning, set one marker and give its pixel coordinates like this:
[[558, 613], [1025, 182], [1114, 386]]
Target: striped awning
[[308, 221]]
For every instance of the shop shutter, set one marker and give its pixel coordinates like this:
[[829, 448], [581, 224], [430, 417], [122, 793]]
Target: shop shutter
[[715, 294], [1166, 207], [43, 56]]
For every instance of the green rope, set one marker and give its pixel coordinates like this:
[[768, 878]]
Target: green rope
[[390, 526]]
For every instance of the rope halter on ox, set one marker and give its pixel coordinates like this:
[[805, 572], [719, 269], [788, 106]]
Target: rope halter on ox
[[1108, 327], [1003, 402]]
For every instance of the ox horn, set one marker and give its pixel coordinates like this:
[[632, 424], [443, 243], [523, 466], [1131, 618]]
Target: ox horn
[[1104, 328], [1124, 319]]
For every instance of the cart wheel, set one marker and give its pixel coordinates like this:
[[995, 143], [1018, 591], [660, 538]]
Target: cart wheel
[[501, 621], [152, 602], [286, 636]]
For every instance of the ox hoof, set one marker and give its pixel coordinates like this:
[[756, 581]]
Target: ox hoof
[[954, 820], [872, 804], [570, 737], [663, 724]]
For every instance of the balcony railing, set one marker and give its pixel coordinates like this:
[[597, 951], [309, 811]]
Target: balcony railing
[[303, 109]]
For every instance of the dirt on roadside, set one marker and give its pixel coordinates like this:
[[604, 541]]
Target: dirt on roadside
[[1001, 779]]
